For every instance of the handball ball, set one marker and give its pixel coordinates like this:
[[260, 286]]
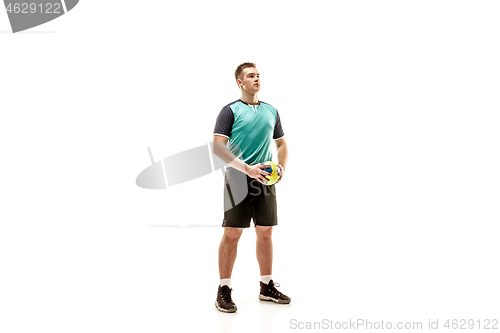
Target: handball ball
[[274, 171]]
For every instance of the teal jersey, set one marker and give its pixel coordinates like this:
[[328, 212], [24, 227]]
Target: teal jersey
[[250, 129]]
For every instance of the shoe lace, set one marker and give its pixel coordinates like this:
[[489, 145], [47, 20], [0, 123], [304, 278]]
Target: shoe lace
[[226, 295], [274, 291]]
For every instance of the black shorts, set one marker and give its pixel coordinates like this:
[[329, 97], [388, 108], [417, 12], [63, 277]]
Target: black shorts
[[246, 198]]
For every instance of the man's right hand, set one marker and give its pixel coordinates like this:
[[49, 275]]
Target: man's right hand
[[256, 172]]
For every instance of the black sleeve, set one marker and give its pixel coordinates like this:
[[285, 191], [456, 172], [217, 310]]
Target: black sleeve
[[224, 122], [278, 130]]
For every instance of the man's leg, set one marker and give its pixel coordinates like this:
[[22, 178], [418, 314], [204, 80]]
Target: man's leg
[[227, 251], [268, 291], [264, 249], [227, 256]]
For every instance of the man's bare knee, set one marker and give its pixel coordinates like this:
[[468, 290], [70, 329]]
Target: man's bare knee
[[232, 235], [264, 233]]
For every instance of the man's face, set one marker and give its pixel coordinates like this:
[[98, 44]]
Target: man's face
[[250, 81]]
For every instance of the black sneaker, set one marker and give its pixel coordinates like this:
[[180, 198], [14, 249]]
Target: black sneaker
[[224, 302], [268, 292]]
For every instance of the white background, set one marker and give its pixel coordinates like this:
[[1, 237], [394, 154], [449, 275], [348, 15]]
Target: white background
[[388, 209]]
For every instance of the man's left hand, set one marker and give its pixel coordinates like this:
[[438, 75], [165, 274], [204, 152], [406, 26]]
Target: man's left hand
[[280, 173]]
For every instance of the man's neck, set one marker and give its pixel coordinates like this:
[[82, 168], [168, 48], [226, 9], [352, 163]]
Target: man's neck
[[249, 99]]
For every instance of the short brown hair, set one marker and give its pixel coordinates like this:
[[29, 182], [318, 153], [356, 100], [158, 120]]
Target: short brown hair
[[241, 67]]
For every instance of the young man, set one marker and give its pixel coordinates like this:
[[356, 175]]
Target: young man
[[251, 126]]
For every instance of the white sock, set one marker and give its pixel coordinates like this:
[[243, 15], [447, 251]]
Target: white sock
[[266, 278], [226, 282]]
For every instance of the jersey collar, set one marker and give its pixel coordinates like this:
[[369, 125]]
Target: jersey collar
[[249, 104]]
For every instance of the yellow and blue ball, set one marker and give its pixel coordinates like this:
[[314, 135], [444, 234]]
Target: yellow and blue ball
[[274, 170]]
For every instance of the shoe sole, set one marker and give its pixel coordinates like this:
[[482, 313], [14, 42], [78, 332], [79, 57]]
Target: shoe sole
[[267, 298], [224, 310]]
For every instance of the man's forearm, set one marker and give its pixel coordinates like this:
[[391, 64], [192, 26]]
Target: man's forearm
[[227, 156], [283, 155]]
